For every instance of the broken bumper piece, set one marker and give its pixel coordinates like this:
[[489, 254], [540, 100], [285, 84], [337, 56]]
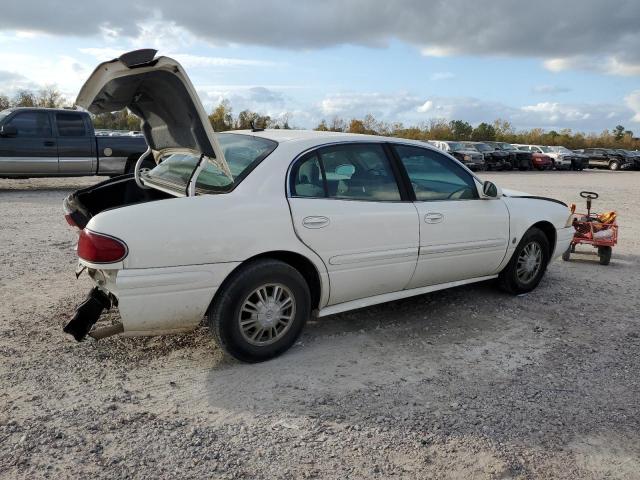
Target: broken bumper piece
[[87, 314]]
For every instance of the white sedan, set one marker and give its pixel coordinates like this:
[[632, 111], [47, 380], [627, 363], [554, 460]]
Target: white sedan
[[256, 231]]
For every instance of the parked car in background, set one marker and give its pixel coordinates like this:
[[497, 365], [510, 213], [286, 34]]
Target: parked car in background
[[362, 220], [493, 159], [518, 159], [605, 158], [578, 161], [43, 142], [539, 159], [632, 158], [473, 159], [560, 162]]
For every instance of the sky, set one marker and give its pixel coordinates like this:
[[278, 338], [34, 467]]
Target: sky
[[548, 64]]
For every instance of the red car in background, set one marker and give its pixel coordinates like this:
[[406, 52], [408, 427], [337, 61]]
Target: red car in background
[[539, 160]]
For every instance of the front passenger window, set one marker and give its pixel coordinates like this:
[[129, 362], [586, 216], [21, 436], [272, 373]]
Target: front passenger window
[[434, 176]]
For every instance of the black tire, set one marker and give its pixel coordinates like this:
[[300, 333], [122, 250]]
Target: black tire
[[605, 255], [509, 278], [614, 165], [566, 255], [224, 314]]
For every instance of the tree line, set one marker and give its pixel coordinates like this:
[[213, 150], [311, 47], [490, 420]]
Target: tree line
[[222, 119]]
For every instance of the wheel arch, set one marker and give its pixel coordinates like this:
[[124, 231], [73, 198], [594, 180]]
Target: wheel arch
[[302, 264], [549, 231]]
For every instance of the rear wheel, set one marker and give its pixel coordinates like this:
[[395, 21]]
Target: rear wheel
[[605, 255], [528, 263], [566, 255], [261, 310]]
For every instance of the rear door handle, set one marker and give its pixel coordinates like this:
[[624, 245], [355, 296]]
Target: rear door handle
[[433, 217], [315, 222], [49, 143]]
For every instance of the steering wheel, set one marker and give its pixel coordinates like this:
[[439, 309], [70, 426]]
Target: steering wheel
[[589, 195]]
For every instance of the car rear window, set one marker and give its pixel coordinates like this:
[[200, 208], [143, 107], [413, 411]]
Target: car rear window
[[242, 154]]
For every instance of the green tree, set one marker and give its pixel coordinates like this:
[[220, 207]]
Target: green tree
[[24, 98], [460, 129], [484, 131], [322, 126], [221, 118], [618, 132], [4, 102]]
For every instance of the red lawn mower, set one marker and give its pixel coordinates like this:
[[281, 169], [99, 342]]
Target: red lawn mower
[[598, 230]]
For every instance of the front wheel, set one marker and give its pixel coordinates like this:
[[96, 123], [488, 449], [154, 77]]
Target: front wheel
[[528, 263], [614, 165], [566, 255], [605, 255], [260, 311]]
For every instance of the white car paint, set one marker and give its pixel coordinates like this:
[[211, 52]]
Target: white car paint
[[181, 250]]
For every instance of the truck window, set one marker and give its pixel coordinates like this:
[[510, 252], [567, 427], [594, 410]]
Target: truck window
[[70, 125], [32, 124]]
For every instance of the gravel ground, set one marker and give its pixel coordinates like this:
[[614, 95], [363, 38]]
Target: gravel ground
[[465, 383]]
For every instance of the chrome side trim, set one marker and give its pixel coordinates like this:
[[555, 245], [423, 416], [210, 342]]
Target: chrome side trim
[[367, 257]]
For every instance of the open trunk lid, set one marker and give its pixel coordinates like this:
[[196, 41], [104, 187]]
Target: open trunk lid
[[158, 91]]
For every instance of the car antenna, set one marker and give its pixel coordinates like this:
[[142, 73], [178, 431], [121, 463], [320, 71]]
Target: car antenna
[[254, 128]]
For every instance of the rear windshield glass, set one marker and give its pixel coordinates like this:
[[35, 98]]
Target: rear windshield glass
[[4, 113], [242, 153]]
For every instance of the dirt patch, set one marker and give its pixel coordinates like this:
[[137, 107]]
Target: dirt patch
[[465, 383]]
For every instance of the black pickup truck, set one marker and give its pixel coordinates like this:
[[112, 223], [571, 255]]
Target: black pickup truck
[[45, 142]]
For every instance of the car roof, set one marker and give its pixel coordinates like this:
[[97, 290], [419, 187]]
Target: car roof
[[293, 136]]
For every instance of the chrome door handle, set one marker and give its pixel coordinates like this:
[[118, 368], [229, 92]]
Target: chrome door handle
[[315, 222], [433, 217]]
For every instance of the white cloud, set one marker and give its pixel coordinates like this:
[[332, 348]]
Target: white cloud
[[187, 60], [633, 102], [609, 65], [566, 33], [549, 89], [425, 107], [442, 76]]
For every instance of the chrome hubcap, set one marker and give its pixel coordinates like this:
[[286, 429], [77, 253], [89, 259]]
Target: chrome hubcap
[[529, 262], [267, 314]]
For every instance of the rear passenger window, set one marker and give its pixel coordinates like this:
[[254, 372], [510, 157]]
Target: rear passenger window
[[70, 125], [350, 172], [307, 178], [359, 172]]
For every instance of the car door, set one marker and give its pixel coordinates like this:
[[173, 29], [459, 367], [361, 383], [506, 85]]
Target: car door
[[76, 152], [461, 235], [32, 150], [347, 206], [597, 157]]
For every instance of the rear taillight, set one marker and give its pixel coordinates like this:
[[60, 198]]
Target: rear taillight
[[100, 248], [70, 220]]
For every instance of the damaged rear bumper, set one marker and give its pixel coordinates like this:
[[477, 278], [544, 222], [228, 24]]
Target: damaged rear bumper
[[151, 301]]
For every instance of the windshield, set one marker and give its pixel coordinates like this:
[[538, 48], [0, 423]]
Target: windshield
[[455, 145], [4, 113], [546, 149], [481, 147], [506, 146], [242, 153], [561, 149]]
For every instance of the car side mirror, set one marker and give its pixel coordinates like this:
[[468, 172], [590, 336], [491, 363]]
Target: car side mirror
[[490, 190], [8, 131]]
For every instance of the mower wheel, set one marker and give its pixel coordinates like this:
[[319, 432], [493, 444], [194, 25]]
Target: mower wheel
[[605, 255], [566, 255]]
